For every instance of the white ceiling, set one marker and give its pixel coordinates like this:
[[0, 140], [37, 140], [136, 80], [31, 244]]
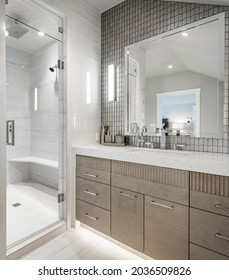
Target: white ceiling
[[104, 5], [23, 10], [198, 53], [214, 2]]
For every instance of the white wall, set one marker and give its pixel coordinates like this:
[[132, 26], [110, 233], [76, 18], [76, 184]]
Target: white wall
[[44, 121], [18, 81], [36, 132], [82, 54], [209, 98], [2, 135]]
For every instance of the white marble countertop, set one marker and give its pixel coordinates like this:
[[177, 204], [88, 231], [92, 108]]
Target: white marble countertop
[[192, 161]]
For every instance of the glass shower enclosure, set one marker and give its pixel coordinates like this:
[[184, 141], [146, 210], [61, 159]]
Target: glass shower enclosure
[[34, 120]]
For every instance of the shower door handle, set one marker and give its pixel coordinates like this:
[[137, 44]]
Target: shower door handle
[[10, 135]]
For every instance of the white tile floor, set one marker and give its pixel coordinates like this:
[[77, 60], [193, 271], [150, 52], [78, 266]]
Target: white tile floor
[[38, 209], [81, 244]]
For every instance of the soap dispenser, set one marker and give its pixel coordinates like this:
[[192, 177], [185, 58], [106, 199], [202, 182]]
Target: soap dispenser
[[104, 130], [108, 137]]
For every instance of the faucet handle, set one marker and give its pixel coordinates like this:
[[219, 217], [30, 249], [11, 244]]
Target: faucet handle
[[144, 129], [149, 145], [134, 128]]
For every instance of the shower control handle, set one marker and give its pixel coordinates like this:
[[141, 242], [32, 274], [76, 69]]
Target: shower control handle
[[10, 133]]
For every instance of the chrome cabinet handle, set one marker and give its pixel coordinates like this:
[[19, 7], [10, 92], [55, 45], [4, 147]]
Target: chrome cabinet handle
[[91, 193], [127, 195], [218, 235], [161, 205], [221, 207], [90, 217], [90, 175]]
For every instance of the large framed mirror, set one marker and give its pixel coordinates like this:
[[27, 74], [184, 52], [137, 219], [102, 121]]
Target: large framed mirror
[[176, 80]]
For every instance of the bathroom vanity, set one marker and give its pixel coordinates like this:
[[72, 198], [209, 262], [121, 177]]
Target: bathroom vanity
[[165, 204]]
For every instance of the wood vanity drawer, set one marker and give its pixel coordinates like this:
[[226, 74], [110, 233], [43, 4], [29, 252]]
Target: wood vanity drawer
[[166, 229], [94, 169], [93, 192], [209, 202], [93, 216], [164, 183], [209, 230], [200, 253], [127, 217], [209, 192]]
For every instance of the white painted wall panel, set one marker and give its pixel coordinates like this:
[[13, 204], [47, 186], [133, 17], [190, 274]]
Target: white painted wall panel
[[2, 136]]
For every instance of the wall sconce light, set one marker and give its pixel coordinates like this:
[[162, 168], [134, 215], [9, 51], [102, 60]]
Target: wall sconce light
[[35, 99], [111, 83]]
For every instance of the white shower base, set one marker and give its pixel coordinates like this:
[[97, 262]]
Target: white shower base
[[38, 209]]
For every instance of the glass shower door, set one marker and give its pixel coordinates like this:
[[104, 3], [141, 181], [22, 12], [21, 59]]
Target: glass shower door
[[34, 109]]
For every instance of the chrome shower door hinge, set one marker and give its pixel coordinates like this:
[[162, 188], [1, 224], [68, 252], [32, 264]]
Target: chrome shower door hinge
[[61, 30], [60, 197], [60, 64], [6, 2]]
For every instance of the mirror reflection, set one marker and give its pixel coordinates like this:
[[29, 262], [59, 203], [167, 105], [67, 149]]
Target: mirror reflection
[[176, 82]]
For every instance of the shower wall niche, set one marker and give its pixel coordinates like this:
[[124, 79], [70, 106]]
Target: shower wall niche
[[32, 102]]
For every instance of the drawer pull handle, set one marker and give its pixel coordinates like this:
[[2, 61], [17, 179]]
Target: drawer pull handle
[[161, 205], [221, 206], [91, 193], [90, 217], [218, 235], [127, 195], [90, 175]]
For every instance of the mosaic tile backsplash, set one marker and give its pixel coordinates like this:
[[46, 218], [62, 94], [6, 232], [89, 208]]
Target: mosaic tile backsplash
[[135, 20]]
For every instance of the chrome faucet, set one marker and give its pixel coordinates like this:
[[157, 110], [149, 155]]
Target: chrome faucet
[[134, 129], [141, 140], [144, 129]]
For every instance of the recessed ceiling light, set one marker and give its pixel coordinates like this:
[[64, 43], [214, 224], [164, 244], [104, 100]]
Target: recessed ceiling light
[[6, 33], [185, 34], [170, 66], [23, 66], [41, 34]]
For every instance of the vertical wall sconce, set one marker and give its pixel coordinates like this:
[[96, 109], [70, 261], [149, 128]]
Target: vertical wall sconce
[[88, 89], [111, 82], [35, 99]]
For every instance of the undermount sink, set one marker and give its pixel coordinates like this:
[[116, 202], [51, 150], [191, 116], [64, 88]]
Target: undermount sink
[[148, 150]]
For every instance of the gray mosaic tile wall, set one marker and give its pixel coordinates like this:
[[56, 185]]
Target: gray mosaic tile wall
[[136, 20]]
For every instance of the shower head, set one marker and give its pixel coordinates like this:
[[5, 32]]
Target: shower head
[[16, 31], [52, 69]]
